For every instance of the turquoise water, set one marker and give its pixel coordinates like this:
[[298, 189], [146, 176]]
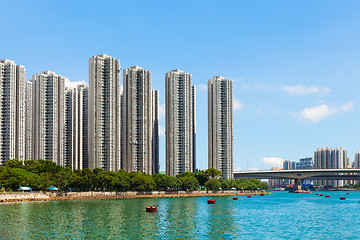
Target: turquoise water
[[279, 216]]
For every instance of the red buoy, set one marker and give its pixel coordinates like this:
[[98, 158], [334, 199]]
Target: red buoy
[[327, 195], [316, 194], [262, 194], [342, 198], [151, 209], [347, 193], [211, 201], [235, 198], [249, 196], [321, 195]]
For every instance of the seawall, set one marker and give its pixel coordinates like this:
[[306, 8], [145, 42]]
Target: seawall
[[50, 196]]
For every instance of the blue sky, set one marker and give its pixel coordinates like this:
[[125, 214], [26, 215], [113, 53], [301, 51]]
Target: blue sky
[[295, 64]]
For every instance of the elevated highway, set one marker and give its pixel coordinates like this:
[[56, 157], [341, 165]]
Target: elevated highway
[[297, 175]]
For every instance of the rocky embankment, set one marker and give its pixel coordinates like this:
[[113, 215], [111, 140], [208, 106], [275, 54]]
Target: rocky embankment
[[45, 196]]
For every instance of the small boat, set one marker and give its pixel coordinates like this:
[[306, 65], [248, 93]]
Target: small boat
[[342, 198], [151, 209], [249, 196], [235, 198], [211, 201], [327, 195]]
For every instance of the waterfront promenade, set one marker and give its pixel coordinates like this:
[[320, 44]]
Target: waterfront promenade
[[49, 196]]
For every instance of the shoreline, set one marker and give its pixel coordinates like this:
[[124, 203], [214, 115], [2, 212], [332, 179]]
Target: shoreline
[[71, 196]]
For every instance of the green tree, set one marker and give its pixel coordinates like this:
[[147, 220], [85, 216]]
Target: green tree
[[212, 184], [201, 176], [188, 182], [213, 173], [142, 182]]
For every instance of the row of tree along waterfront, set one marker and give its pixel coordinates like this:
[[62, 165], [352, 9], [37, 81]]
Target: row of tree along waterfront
[[42, 174]]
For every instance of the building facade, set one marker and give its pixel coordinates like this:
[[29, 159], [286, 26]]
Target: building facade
[[180, 123], [328, 158], [29, 121], [138, 121], [104, 114], [76, 127], [48, 117], [12, 111], [220, 126]]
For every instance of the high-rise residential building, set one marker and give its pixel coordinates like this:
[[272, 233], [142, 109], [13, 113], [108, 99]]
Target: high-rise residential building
[[29, 121], [70, 128], [289, 165], [180, 122], [138, 121], [48, 117], [357, 160], [82, 123], [76, 127], [104, 114], [155, 134], [220, 110], [328, 158], [12, 111], [305, 163]]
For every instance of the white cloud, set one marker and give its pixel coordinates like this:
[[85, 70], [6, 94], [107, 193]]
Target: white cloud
[[161, 111], [347, 106], [302, 90], [202, 86], [237, 104], [238, 169], [273, 161], [161, 131], [68, 83], [317, 113]]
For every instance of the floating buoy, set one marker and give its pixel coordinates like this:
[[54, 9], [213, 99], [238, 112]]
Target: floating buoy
[[211, 201], [235, 198], [342, 198], [327, 195], [151, 209], [321, 195], [316, 194], [347, 193], [249, 196], [262, 194]]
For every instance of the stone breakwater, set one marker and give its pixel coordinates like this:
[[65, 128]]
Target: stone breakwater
[[45, 196]]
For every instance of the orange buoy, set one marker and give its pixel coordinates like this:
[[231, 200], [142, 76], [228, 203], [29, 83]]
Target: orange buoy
[[262, 194], [249, 196], [235, 198], [151, 209], [211, 201], [327, 195], [321, 195], [342, 198]]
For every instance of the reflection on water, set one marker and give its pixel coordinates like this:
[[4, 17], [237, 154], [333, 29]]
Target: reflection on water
[[282, 215]]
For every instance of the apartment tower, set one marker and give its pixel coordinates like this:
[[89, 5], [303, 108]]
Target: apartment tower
[[76, 127], [104, 114], [12, 111], [139, 121], [48, 117], [29, 121], [220, 125], [180, 122]]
